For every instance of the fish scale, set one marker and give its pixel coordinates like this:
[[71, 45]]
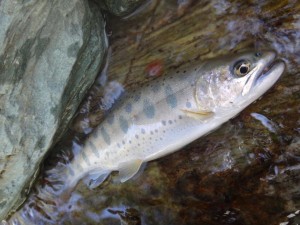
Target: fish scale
[[169, 112]]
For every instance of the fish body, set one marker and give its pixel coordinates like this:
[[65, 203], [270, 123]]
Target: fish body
[[171, 111]]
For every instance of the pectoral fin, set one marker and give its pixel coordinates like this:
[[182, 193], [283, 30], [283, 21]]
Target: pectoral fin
[[199, 115], [128, 169]]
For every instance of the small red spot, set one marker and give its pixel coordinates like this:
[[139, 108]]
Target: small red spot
[[155, 68]]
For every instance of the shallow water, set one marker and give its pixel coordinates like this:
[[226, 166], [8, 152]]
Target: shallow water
[[246, 172]]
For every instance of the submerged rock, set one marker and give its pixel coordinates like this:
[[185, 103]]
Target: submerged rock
[[50, 54]]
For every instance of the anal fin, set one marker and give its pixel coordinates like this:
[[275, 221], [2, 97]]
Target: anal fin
[[197, 114], [95, 178], [129, 169]]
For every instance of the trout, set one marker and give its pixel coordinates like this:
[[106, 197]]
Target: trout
[[165, 114]]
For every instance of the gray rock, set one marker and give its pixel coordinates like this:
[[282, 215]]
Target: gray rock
[[120, 7], [50, 54]]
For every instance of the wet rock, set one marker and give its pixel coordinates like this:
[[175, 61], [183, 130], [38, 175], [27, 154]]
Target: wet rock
[[50, 53], [120, 7]]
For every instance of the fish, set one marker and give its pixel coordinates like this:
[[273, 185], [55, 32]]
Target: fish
[[169, 112]]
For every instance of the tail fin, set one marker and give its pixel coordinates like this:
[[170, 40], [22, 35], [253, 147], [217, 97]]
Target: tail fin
[[64, 178], [59, 179]]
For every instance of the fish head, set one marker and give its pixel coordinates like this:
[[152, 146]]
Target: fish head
[[236, 81]]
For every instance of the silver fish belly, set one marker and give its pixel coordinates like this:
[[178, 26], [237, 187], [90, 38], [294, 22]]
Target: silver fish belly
[[167, 113]]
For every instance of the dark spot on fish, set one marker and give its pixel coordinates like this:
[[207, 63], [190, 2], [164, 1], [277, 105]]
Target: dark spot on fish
[[143, 131], [171, 98], [180, 117], [128, 107], [123, 142], [170, 121], [93, 148], [95, 133], [155, 88], [188, 105], [137, 136], [110, 118], [164, 122], [123, 124], [137, 97], [85, 158], [105, 135], [148, 109]]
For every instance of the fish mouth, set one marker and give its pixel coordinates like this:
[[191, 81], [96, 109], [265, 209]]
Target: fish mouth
[[263, 69], [269, 75], [268, 64], [268, 67], [268, 72], [272, 68]]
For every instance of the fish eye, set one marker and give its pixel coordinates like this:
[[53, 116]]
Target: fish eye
[[241, 68]]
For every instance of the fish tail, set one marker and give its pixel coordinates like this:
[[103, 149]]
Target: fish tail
[[64, 178], [61, 177], [66, 173]]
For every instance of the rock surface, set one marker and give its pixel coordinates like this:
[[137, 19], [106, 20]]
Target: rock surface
[[120, 7], [50, 54]]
